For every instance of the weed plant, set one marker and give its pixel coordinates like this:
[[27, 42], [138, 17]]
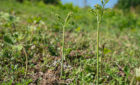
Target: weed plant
[[63, 42], [99, 11]]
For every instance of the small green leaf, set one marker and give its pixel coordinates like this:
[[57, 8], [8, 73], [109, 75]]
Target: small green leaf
[[93, 11], [18, 47], [58, 16], [102, 1], [68, 17], [8, 39], [106, 1], [106, 51], [78, 29], [97, 6]]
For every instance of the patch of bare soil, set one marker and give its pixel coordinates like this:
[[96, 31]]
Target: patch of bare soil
[[50, 78]]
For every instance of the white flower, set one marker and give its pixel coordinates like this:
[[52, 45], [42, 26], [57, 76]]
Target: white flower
[[138, 74]]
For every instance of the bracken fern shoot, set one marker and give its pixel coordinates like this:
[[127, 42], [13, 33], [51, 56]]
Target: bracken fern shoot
[[99, 11], [63, 41]]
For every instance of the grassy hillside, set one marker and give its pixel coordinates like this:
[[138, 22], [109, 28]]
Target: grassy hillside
[[31, 45]]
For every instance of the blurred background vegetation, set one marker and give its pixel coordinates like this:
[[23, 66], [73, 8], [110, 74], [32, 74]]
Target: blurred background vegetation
[[123, 4], [133, 5], [129, 4]]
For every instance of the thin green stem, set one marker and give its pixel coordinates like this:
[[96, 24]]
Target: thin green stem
[[63, 55], [99, 11], [26, 70], [63, 43], [98, 25]]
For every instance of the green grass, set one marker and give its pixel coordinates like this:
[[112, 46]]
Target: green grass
[[36, 28]]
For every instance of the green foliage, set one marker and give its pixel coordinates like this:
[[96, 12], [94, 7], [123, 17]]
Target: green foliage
[[126, 4], [20, 1], [9, 39], [51, 1], [45, 1]]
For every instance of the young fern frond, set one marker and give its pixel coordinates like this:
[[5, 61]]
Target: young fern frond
[[99, 11], [63, 42]]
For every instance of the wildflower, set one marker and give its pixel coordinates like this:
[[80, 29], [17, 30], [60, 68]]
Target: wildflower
[[138, 74]]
